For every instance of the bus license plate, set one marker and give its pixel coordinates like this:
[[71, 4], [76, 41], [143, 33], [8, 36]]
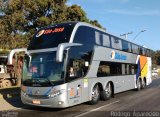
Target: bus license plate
[[36, 101]]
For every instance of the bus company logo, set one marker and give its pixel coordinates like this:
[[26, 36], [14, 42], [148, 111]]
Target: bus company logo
[[113, 55], [40, 33], [37, 92], [118, 56]]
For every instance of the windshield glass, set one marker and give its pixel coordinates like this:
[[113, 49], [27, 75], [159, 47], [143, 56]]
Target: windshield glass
[[52, 36], [41, 69]]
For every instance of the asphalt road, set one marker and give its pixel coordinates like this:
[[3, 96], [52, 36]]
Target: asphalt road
[[144, 103]]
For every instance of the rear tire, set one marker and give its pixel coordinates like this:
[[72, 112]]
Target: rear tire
[[95, 95], [143, 83], [107, 93], [6, 83], [139, 85]]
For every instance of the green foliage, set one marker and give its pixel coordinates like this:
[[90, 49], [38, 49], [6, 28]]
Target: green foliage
[[156, 57], [95, 23], [76, 13], [19, 19]]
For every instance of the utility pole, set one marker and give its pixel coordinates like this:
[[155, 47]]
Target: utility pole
[[138, 34], [126, 34]]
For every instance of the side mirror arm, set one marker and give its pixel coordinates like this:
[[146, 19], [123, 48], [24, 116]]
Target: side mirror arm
[[62, 47], [12, 52]]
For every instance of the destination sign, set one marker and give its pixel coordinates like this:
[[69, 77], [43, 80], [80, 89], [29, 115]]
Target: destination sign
[[49, 31]]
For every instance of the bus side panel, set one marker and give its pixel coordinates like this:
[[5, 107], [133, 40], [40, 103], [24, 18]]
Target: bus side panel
[[120, 83], [149, 74], [75, 92], [144, 68]]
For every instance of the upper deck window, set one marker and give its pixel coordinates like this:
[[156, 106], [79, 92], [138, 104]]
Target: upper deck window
[[102, 39], [126, 46], [116, 43], [51, 37], [106, 40], [135, 49]]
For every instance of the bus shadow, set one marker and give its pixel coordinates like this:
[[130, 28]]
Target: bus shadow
[[10, 97]]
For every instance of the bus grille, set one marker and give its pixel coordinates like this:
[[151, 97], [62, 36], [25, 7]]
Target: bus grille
[[39, 96]]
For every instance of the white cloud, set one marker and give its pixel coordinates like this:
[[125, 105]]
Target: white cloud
[[135, 12]]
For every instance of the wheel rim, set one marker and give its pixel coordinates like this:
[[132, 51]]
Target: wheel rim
[[139, 84], [108, 89], [95, 93]]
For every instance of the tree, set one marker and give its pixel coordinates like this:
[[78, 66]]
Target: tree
[[20, 19], [95, 23], [156, 58], [76, 13]]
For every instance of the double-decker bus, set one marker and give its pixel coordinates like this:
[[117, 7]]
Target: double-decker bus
[[70, 63]]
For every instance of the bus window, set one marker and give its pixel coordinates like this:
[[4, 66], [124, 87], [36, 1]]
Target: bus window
[[109, 69], [51, 37], [127, 69], [106, 40], [144, 51], [123, 69], [126, 46], [140, 51], [116, 43], [79, 58], [135, 49], [97, 38], [132, 69], [148, 53]]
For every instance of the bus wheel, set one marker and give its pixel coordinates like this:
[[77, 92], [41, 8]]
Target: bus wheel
[[139, 85], [143, 84], [107, 93], [6, 83], [95, 95]]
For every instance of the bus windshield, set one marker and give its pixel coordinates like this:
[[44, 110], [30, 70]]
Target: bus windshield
[[41, 69], [51, 37]]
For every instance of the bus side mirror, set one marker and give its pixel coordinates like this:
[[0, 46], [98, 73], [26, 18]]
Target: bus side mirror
[[12, 52], [62, 47]]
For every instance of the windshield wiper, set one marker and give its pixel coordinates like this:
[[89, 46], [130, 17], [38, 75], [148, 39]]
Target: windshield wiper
[[44, 78], [49, 81]]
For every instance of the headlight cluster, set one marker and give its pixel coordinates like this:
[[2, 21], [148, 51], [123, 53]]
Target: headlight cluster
[[56, 93]]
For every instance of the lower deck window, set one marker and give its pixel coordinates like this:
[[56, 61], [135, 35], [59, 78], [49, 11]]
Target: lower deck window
[[115, 69]]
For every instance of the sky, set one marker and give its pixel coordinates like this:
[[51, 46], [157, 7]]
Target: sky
[[123, 16]]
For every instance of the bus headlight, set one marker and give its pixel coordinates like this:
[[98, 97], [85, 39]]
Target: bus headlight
[[56, 93]]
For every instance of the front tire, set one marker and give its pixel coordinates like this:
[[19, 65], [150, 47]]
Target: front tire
[[95, 95]]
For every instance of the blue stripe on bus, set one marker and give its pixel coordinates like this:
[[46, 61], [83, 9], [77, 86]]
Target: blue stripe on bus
[[138, 70], [48, 91], [29, 90]]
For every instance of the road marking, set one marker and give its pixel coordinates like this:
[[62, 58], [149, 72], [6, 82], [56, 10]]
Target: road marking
[[83, 114]]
